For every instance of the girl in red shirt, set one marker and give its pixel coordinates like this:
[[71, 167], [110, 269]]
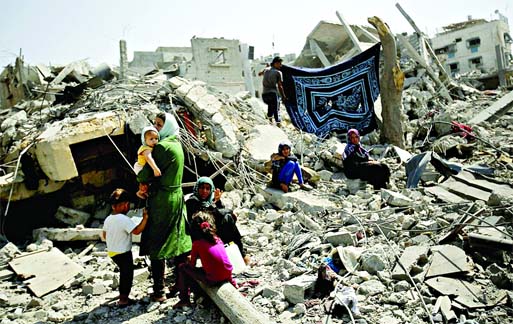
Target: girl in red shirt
[[216, 267]]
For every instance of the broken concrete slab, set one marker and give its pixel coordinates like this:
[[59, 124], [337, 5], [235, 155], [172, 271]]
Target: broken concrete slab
[[47, 270], [447, 259], [342, 237], [495, 111], [67, 234], [444, 195], [71, 216], [412, 255], [464, 190], [397, 199], [53, 149], [304, 201], [295, 290], [263, 140]]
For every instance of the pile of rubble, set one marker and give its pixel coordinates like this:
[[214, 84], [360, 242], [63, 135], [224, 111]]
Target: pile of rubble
[[438, 250]]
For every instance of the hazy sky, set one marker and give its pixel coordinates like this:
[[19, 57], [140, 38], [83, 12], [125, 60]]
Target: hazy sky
[[62, 31]]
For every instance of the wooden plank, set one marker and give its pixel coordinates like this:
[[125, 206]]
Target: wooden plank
[[47, 271]]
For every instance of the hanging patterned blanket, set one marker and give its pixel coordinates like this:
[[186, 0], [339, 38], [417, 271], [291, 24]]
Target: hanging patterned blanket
[[336, 98]]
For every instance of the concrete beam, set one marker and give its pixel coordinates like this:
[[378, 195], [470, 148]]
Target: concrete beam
[[317, 50], [492, 113], [234, 306], [53, 147], [350, 32], [424, 64]]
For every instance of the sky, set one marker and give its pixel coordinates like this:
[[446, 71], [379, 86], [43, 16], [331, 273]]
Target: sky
[[63, 31]]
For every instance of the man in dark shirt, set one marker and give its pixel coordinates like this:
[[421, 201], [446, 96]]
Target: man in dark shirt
[[272, 83]]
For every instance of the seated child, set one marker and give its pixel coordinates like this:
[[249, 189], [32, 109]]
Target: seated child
[[149, 138], [284, 166], [210, 249], [117, 231]]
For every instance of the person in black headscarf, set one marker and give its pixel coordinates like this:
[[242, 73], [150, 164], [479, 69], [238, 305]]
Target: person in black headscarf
[[359, 165], [284, 166], [205, 197]]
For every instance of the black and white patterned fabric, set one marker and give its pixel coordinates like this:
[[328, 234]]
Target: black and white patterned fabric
[[336, 98]]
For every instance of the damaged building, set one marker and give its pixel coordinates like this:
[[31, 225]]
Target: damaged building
[[477, 46], [341, 252]]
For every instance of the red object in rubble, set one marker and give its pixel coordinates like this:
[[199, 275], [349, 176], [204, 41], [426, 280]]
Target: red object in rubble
[[464, 130]]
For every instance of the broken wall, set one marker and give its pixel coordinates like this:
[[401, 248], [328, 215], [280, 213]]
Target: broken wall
[[472, 48], [218, 62]]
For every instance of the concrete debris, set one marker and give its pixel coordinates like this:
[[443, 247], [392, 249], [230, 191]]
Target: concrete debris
[[69, 135]]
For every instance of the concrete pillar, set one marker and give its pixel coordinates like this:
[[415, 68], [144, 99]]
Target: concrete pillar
[[246, 68], [123, 60], [499, 52]]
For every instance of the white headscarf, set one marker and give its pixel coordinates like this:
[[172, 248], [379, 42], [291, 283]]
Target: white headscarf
[[170, 127]]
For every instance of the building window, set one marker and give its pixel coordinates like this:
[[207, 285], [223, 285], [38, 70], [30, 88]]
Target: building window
[[218, 56], [475, 62], [457, 40], [473, 44], [454, 68], [507, 38]]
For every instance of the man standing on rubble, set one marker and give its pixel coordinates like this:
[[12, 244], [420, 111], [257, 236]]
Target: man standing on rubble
[[272, 82], [164, 236]]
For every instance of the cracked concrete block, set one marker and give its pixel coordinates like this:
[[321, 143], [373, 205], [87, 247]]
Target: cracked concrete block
[[411, 256], [441, 266], [177, 82], [371, 288], [14, 120], [195, 94], [263, 140], [304, 201], [71, 216], [295, 289], [342, 237], [208, 105], [396, 199], [53, 145]]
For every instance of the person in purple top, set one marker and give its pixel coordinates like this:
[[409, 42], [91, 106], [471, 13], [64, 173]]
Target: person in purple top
[[358, 164], [216, 267]]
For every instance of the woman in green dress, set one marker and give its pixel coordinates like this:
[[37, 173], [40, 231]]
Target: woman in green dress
[[165, 236]]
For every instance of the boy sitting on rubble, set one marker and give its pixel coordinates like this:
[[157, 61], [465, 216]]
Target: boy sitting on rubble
[[149, 138], [117, 231]]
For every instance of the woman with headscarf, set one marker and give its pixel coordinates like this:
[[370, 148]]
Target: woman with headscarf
[[284, 166], [359, 165], [165, 234], [206, 197]]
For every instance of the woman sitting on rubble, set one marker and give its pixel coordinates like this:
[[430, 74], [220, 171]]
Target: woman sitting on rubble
[[206, 197], [284, 166], [359, 165]]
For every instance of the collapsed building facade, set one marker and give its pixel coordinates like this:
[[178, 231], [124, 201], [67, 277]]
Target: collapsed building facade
[[479, 46], [70, 137]]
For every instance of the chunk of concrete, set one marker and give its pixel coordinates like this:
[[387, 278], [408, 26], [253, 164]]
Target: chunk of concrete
[[72, 216], [53, 145], [262, 141], [295, 289], [371, 288], [304, 201], [67, 234], [397, 199], [447, 259], [342, 237], [412, 255]]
